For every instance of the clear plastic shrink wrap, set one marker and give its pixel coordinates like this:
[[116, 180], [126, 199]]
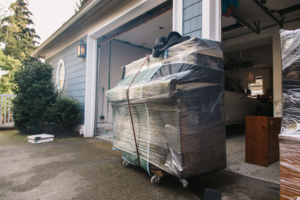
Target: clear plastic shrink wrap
[[177, 104], [290, 131]]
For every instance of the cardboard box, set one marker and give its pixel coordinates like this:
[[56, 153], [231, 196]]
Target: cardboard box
[[40, 138]]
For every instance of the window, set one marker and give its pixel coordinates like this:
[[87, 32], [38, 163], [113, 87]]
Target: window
[[60, 77], [257, 87]]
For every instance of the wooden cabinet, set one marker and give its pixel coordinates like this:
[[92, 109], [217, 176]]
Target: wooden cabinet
[[262, 144]]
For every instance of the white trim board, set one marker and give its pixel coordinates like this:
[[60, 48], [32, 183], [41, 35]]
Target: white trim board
[[90, 87], [178, 15], [211, 19]]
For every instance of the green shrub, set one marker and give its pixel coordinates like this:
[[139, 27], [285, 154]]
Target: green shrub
[[39, 106], [35, 92], [65, 112]]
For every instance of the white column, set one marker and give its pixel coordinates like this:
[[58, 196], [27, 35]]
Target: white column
[[277, 73], [211, 19], [178, 15], [90, 87]]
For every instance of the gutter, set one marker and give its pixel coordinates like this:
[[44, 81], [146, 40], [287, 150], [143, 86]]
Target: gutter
[[65, 26]]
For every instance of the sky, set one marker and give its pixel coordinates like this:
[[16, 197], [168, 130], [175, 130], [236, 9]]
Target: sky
[[48, 15]]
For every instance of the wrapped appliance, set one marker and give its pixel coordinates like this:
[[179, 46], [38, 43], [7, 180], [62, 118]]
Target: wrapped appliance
[[177, 109], [289, 138]]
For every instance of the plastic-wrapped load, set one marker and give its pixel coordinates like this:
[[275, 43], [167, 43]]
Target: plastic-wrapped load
[[177, 105], [290, 131]]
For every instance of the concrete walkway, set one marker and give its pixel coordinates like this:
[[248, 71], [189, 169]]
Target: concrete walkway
[[89, 169]]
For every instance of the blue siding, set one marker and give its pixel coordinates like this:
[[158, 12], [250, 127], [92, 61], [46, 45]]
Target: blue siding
[[192, 18], [75, 73]]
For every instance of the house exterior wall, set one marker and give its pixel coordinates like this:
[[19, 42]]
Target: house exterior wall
[[75, 74], [192, 18]]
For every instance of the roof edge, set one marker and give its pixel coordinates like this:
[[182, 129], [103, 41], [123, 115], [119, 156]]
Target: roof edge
[[90, 4]]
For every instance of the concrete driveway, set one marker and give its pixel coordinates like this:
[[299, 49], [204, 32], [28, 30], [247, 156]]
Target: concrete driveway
[[79, 168]]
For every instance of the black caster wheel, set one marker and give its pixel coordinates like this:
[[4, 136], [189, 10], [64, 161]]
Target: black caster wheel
[[184, 183], [155, 180], [126, 164]]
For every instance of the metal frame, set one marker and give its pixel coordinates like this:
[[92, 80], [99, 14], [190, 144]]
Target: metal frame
[[266, 10], [243, 22], [232, 27], [288, 10]]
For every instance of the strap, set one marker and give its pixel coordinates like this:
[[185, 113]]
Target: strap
[[128, 101]]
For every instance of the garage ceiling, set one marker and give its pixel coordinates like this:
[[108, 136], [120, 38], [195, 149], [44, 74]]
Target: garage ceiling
[[250, 12], [147, 33]]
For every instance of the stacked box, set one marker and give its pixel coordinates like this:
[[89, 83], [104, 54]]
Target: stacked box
[[177, 104], [290, 132]]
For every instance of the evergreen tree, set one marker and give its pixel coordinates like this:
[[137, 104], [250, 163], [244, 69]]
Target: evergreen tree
[[35, 92], [39, 106], [16, 32], [10, 64]]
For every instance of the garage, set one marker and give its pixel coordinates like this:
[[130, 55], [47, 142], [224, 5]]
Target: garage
[[252, 60], [121, 47]]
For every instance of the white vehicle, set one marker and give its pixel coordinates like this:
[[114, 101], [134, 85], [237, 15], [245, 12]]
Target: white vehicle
[[238, 104]]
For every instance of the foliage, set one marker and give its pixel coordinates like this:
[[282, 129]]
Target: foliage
[[39, 106], [65, 112], [10, 64], [35, 92], [16, 32]]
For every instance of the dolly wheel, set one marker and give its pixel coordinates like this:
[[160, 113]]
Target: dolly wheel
[[155, 180], [126, 164], [184, 183]]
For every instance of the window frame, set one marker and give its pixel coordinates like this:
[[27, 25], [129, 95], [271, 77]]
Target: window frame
[[262, 85], [61, 62]]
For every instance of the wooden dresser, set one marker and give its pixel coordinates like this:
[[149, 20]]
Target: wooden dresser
[[262, 144]]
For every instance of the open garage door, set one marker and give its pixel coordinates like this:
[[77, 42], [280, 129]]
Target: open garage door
[[128, 43]]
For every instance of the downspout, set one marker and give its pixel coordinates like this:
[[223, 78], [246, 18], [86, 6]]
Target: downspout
[[96, 99], [109, 73], [107, 110]]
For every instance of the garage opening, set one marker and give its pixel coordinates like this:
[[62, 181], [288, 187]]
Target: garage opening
[[122, 46], [248, 92], [250, 50], [252, 62]]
